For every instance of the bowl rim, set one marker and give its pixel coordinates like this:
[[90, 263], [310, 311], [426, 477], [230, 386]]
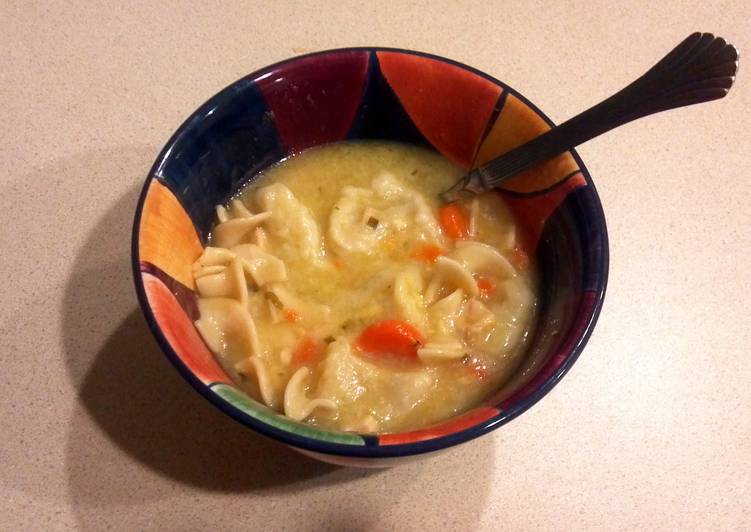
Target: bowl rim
[[368, 450]]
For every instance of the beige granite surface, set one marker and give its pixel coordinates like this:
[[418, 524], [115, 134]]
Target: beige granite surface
[[650, 430]]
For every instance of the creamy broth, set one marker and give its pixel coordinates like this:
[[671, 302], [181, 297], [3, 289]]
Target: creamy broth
[[340, 291]]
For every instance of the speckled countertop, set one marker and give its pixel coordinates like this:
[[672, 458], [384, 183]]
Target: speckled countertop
[[650, 430]]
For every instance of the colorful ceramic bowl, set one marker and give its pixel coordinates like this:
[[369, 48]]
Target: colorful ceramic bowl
[[367, 93]]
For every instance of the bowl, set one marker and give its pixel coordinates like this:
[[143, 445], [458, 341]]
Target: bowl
[[368, 93]]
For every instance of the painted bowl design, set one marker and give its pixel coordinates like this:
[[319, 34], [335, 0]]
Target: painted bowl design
[[367, 93]]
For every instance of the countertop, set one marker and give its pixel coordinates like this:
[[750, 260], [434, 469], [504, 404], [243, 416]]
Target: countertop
[[650, 430]]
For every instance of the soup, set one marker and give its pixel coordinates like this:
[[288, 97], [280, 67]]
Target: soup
[[338, 290]]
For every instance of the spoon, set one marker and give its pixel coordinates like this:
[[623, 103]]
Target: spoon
[[700, 69]]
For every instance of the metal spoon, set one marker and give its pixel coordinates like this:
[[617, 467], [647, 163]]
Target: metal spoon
[[700, 69]]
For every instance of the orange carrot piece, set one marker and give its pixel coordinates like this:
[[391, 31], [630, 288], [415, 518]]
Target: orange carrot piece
[[291, 316], [391, 338], [486, 286], [307, 352], [428, 253], [453, 221]]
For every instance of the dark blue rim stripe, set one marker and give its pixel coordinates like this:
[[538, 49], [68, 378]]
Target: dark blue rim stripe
[[497, 109], [541, 192], [406, 449]]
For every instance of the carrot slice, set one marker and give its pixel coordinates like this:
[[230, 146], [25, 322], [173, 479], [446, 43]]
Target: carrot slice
[[453, 221], [428, 253], [486, 285], [391, 338], [307, 352], [291, 316]]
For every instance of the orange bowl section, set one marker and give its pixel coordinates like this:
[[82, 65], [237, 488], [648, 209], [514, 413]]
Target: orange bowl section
[[449, 105], [517, 124], [167, 238], [180, 332]]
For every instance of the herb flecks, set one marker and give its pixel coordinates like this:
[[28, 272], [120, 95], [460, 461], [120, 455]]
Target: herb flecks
[[271, 296]]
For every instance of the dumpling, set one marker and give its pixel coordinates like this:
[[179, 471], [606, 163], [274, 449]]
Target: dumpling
[[297, 405], [347, 379], [408, 295], [364, 220], [291, 224], [425, 219], [388, 187], [350, 226], [514, 313], [343, 373], [420, 215]]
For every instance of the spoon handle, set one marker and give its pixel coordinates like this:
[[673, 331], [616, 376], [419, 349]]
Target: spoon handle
[[700, 69]]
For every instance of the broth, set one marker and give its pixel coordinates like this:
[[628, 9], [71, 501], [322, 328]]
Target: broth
[[340, 291]]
